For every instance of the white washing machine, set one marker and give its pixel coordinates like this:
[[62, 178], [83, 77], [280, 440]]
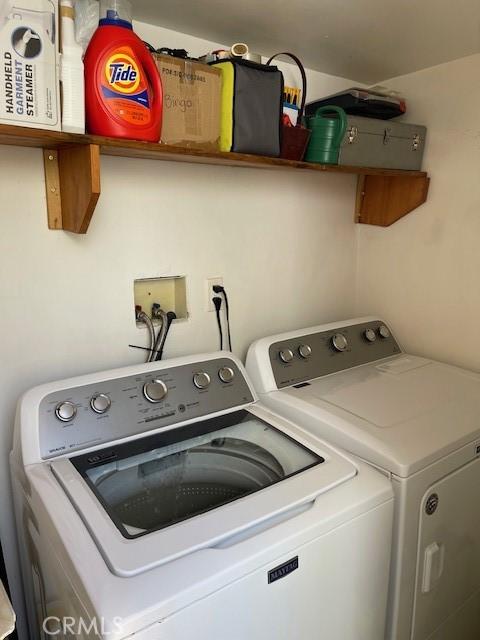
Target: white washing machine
[[419, 422], [162, 502]]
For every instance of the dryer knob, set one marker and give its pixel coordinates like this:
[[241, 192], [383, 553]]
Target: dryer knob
[[304, 351], [286, 355], [100, 403], [201, 380], [384, 331], [155, 391], [226, 374], [370, 335], [65, 411], [339, 342]]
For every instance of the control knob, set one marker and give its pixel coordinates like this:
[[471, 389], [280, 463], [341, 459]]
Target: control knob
[[304, 351], [201, 380], [65, 411], [226, 374], [384, 331], [286, 355], [370, 335], [340, 342], [155, 391], [100, 403]]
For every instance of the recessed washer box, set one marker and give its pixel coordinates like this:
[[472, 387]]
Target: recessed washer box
[[170, 292]]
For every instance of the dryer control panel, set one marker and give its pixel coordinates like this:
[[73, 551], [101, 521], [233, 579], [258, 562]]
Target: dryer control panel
[[109, 410], [297, 360]]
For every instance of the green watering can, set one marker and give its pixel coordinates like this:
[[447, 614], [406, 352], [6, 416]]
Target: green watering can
[[328, 132]]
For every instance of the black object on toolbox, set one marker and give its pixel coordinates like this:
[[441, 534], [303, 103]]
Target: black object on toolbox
[[362, 102]]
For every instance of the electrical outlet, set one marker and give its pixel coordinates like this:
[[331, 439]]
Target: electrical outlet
[[210, 293]]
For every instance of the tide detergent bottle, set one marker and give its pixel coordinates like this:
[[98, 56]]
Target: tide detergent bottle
[[123, 89]]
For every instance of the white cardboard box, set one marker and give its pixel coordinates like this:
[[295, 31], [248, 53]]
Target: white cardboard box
[[29, 63]]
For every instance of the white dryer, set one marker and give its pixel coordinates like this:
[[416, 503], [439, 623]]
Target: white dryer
[[417, 420], [162, 502]]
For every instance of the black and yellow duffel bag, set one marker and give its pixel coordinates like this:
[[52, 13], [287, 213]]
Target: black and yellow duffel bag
[[251, 107]]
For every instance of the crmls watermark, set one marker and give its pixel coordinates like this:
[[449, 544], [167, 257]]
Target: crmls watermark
[[68, 625]]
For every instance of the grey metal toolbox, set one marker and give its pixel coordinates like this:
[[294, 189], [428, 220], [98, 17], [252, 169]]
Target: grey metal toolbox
[[369, 142]]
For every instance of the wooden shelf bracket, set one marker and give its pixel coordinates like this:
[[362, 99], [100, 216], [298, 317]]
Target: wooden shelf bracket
[[382, 200], [72, 174], [72, 182]]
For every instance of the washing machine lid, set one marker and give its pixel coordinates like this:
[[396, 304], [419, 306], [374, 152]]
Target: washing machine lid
[[401, 413], [154, 499]]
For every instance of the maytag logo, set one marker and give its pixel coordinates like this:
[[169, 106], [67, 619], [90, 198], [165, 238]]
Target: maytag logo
[[283, 570]]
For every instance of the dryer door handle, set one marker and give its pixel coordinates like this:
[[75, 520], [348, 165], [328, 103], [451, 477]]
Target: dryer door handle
[[433, 564]]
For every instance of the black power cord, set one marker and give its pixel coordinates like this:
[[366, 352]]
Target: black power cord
[[217, 301], [219, 289], [171, 316], [176, 53]]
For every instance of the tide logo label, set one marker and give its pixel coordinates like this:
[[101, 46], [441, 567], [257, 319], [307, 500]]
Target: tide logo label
[[122, 73]]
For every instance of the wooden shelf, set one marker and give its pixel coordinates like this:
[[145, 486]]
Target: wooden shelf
[[72, 175]]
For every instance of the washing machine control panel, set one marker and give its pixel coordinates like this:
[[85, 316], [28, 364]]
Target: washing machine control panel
[[319, 354], [82, 417]]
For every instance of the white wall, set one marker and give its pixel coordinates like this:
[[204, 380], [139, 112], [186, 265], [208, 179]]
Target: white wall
[[422, 273], [283, 241]]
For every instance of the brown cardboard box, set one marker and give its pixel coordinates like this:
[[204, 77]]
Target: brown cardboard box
[[191, 103]]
